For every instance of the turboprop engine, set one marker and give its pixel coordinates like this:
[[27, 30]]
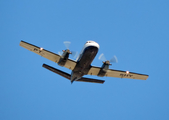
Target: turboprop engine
[[65, 54], [106, 64]]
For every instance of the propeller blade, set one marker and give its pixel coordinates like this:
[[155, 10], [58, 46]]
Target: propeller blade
[[67, 44], [114, 60], [74, 54], [60, 53], [102, 57]]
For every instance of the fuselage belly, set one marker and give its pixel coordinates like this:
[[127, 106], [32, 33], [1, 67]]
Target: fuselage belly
[[84, 61]]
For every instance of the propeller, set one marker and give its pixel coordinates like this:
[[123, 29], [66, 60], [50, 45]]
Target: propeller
[[74, 54], [67, 45], [60, 53], [112, 60]]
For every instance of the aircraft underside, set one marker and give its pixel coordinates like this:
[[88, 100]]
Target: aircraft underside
[[84, 63], [82, 66]]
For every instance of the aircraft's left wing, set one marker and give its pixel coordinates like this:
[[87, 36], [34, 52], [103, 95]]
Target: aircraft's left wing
[[118, 73], [70, 64]]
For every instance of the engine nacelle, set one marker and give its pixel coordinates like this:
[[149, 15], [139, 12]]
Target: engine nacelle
[[104, 69], [64, 57]]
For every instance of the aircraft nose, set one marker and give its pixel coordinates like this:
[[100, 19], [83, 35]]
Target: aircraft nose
[[97, 45]]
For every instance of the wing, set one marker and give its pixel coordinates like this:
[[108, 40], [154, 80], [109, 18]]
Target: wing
[[118, 73], [70, 64]]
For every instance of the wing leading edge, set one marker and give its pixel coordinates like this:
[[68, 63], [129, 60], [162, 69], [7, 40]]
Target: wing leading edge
[[70, 64], [118, 73]]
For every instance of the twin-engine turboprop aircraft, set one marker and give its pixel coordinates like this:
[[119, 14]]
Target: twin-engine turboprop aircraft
[[82, 66]]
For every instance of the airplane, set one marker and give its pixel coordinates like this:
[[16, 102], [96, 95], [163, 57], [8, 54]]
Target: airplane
[[82, 65]]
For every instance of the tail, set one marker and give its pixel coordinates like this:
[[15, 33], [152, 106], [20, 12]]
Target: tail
[[68, 76]]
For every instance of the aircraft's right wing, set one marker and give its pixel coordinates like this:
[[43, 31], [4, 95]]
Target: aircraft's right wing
[[70, 64], [118, 73]]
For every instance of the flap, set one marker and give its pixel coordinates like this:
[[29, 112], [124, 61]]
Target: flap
[[70, 64], [94, 70]]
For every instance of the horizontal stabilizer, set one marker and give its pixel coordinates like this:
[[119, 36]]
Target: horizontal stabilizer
[[83, 79], [68, 76], [63, 74]]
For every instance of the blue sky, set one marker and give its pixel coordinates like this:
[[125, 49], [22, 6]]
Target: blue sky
[[137, 32]]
